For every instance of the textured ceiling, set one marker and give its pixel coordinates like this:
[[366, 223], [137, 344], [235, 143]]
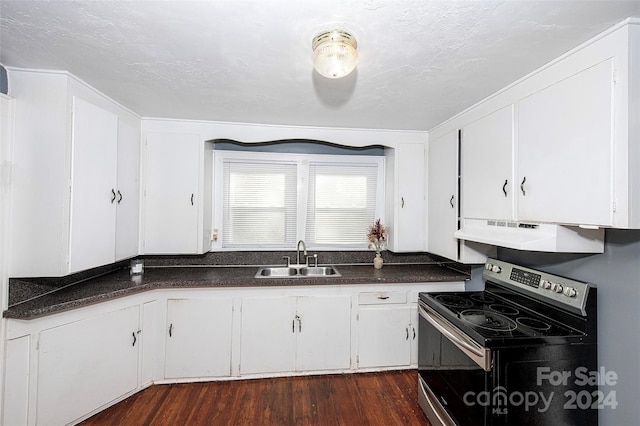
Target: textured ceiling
[[421, 61]]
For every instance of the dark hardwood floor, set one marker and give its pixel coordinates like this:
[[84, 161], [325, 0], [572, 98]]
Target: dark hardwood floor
[[389, 398]]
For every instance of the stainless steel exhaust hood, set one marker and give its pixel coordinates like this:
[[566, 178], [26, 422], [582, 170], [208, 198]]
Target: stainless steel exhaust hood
[[532, 236]]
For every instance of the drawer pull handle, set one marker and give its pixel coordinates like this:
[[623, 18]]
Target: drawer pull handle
[[113, 195], [383, 297], [522, 186], [451, 201], [134, 338], [120, 195], [504, 187], [170, 330]]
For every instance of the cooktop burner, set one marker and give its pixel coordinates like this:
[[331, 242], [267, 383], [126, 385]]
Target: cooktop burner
[[533, 323], [454, 301], [482, 298], [504, 309], [489, 320]]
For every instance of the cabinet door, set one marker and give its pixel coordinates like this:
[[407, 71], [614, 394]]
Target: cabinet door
[[323, 333], [93, 186], [128, 191], [486, 167], [198, 342], [171, 193], [443, 195], [410, 223], [413, 334], [16, 381], [384, 336], [86, 364], [565, 148], [268, 340]]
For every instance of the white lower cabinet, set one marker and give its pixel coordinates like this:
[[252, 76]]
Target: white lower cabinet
[[16, 381], [198, 338], [295, 333], [87, 364], [387, 330], [62, 368]]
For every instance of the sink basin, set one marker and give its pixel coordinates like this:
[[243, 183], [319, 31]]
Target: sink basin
[[294, 271], [277, 272], [319, 271]]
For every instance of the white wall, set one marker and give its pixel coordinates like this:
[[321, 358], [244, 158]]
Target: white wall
[[246, 132], [616, 274], [6, 130]]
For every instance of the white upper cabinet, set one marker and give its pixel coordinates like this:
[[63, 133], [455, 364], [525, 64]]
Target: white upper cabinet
[[68, 187], [486, 167], [174, 196], [171, 193], [444, 204], [94, 192], [563, 143], [565, 140], [443, 195], [128, 192], [405, 209]]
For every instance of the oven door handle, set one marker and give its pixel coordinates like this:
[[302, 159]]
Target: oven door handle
[[436, 413], [479, 355]]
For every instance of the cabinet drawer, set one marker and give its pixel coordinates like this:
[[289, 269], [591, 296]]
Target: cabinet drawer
[[382, 297]]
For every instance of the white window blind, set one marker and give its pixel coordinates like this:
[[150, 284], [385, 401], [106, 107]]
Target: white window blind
[[341, 203], [259, 203]]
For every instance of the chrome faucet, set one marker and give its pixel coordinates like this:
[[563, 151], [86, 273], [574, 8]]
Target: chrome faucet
[[304, 247]]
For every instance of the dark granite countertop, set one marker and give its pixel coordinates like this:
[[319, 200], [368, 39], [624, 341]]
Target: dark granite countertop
[[120, 283]]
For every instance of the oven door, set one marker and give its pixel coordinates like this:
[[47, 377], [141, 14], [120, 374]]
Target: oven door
[[454, 372]]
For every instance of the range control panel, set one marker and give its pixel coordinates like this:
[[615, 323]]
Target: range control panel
[[570, 293]]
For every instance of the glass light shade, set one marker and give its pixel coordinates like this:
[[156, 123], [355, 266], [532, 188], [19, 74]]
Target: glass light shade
[[334, 53]]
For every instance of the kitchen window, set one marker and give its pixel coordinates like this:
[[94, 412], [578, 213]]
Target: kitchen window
[[268, 200]]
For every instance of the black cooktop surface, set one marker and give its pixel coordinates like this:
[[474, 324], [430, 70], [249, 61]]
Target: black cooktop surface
[[488, 317]]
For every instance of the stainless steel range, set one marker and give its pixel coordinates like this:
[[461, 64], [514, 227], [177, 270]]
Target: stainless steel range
[[521, 352]]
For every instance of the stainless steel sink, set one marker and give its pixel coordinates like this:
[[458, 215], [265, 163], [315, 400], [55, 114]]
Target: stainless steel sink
[[297, 271], [319, 271], [276, 272]]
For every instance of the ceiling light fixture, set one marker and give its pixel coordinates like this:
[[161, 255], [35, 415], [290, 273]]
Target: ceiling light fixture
[[334, 53]]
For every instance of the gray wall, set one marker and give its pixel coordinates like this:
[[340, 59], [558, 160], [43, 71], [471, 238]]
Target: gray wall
[[616, 273]]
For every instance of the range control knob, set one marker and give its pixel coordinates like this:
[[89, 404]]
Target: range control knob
[[488, 266], [545, 284], [496, 269], [556, 287], [570, 292]]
